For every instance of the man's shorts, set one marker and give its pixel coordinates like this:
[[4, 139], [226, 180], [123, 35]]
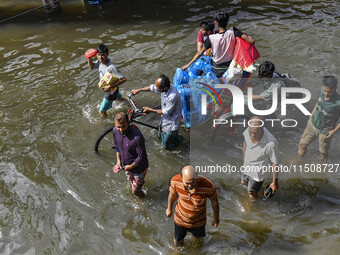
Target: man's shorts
[[181, 232], [107, 104], [311, 133], [136, 179], [170, 140], [253, 186]]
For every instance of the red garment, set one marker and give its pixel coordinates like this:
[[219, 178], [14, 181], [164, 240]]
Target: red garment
[[245, 54], [200, 37]]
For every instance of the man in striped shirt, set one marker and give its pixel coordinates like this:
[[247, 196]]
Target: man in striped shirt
[[190, 213]]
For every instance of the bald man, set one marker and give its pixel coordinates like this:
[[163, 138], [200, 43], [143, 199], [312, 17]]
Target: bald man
[[171, 110], [260, 152], [190, 213]]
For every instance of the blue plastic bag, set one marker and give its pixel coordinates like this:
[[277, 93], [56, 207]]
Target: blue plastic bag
[[196, 68], [181, 77]]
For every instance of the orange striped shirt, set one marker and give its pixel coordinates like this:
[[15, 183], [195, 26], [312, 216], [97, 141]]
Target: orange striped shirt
[[190, 209]]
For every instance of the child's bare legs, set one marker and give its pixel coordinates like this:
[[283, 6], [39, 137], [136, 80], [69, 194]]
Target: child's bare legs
[[103, 115]]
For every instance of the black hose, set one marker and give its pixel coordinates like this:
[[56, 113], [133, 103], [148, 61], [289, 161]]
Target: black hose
[[15, 16], [23, 13]]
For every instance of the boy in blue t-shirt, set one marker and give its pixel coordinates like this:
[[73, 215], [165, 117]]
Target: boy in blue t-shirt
[[104, 65]]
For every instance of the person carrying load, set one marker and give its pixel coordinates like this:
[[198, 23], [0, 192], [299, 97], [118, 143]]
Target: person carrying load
[[171, 110], [207, 28], [222, 45], [110, 77]]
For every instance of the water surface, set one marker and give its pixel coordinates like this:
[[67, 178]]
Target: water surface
[[58, 197]]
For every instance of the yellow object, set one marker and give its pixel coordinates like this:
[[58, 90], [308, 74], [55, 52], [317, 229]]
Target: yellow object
[[208, 53], [108, 79]]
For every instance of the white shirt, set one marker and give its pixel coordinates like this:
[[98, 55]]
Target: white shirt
[[108, 67], [171, 109], [259, 155]]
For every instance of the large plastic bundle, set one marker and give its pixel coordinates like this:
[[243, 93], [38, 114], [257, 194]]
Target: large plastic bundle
[[181, 82], [199, 79], [199, 86], [200, 67], [191, 84]]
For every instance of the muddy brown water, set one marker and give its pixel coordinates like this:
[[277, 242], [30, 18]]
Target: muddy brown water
[[58, 197]]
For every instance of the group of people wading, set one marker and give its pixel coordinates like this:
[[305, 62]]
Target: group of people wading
[[260, 147]]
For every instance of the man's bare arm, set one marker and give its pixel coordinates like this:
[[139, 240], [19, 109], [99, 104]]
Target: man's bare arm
[[216, 210], [171, 200]]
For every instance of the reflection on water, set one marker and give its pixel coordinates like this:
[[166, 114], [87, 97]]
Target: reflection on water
[[58, 197]]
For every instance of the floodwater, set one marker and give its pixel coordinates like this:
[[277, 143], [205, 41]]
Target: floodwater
[[58, 197]]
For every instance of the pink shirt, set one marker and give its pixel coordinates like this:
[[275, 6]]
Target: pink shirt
[[223, 46], [200, 37]]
